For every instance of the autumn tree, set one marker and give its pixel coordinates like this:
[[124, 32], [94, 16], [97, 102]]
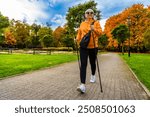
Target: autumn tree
[[110, 24], [58, 36], [140, 18], [10, 40], [21, 32], [139, 23], [121, 33]]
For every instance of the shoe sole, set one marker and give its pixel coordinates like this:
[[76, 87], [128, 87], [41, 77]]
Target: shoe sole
[[92, 81], [79, 90]]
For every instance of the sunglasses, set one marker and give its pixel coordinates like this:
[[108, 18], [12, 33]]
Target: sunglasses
[[89, 13]]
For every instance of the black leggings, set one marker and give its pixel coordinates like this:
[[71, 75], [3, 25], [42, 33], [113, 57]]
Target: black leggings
[[84, 53]]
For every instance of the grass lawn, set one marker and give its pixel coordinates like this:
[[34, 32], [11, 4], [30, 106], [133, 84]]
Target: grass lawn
[[140, 64], [20, 63]]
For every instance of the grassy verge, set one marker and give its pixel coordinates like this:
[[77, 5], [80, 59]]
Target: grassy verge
[[20, 63], [140, 64]]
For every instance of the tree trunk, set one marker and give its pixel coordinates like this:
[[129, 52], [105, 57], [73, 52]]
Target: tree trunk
[[122, 49]]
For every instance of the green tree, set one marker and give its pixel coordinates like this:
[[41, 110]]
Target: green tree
[[121, 33], [35, 28], [47, 41], [75, 16], [4, 22], [46, 36], [21, 32], [103, 41], [147, 39], [35, 40], [68, 41]]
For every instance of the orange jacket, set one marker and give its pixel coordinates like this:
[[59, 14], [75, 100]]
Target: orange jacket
[[85, 27]]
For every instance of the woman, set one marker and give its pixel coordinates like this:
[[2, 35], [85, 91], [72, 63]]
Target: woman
[[92, 49]]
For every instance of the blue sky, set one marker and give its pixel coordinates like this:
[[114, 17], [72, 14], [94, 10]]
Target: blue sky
[[54, 11]]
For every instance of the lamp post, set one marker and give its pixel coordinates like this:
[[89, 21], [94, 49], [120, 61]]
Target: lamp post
[[129, 23], [1, 39]]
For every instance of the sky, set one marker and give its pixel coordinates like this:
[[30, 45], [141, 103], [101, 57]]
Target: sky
[[54, 11]]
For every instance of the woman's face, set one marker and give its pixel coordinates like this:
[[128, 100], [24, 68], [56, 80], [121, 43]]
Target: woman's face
[[89, 14]]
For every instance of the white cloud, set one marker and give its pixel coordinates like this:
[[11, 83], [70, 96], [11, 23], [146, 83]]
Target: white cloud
[[59, 19], [45, 10], [102, 22], [52, 2], [20, 9], [109, 7]]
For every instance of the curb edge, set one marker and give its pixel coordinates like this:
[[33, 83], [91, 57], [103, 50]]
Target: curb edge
[[141, 84]]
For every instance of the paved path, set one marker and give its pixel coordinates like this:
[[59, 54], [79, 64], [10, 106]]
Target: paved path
[[60, 83]]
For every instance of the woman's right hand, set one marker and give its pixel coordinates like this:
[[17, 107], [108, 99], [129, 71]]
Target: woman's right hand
[[92, 27]]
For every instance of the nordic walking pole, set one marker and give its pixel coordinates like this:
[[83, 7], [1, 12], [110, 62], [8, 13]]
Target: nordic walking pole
[[78, 54], [97, 65], [99, 75], [77, 49]]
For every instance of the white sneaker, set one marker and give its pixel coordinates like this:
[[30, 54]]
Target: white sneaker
[[93, 79], [81, 88]]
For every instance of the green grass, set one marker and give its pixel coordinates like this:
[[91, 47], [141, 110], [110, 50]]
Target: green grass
[[140, 64], [20, 63]]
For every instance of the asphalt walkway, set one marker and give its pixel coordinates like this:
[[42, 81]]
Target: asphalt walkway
[[60, 82]]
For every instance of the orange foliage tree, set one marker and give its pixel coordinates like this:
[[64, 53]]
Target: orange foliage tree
[[58, 34], [9, 38], [140, 18]]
